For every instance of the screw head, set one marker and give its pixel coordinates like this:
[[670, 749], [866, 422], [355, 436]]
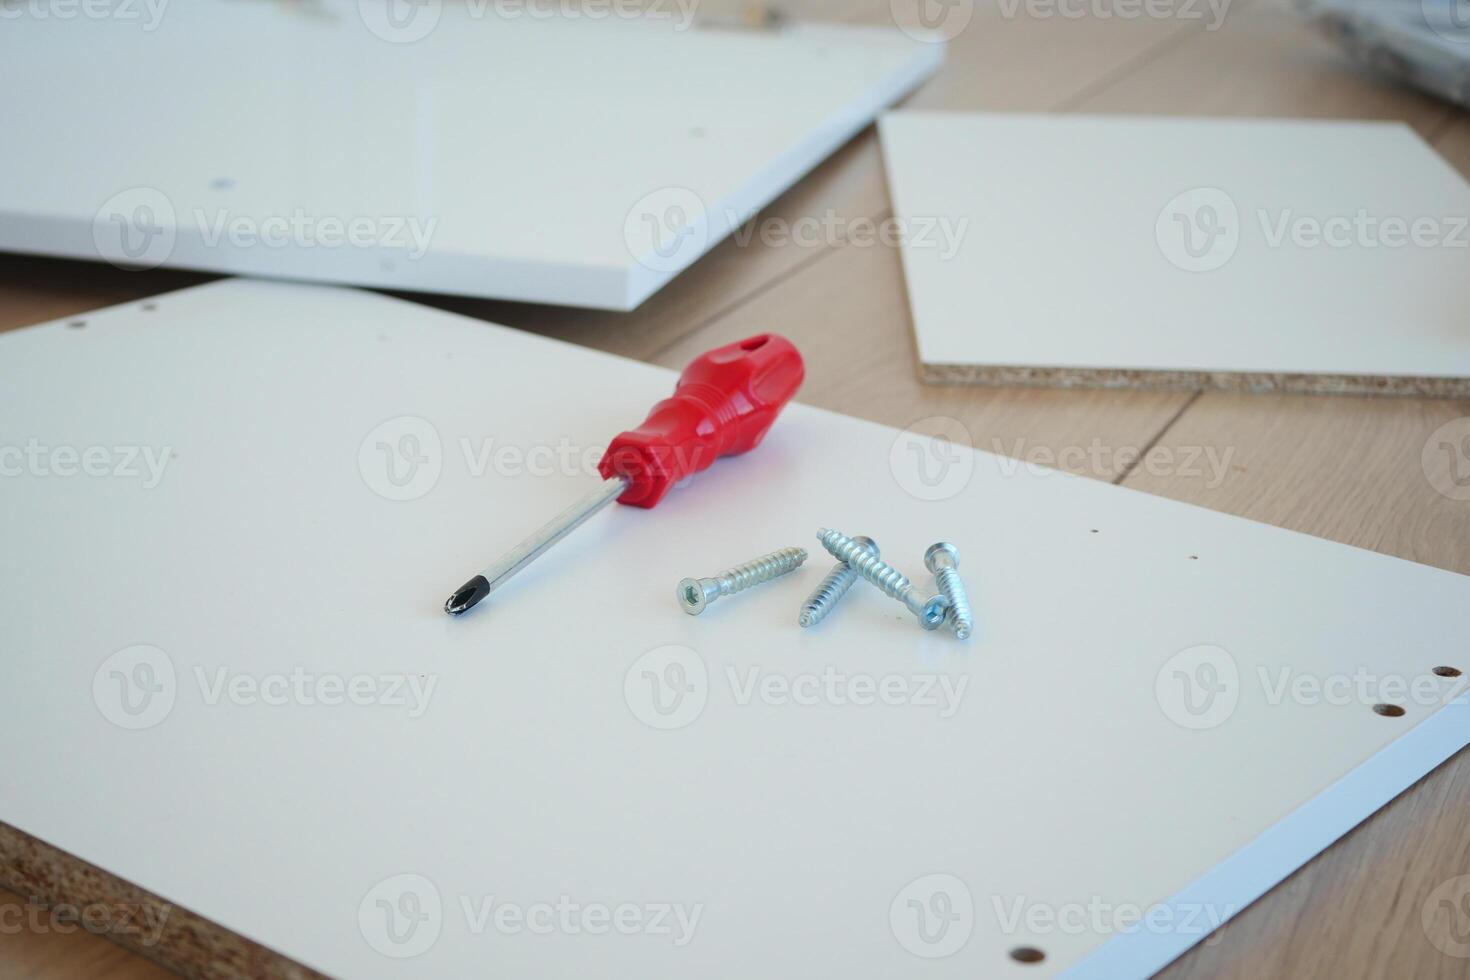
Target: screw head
[[932, 616], [691, 596], [941, 548]]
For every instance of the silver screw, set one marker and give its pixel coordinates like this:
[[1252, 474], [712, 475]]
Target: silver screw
[[943, 559], [930, 611], [833, 587], [696, 593]]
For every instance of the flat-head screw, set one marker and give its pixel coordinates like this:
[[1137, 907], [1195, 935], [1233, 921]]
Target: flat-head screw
[[930, 611], [696, 593], [822, 601], [943, 559]]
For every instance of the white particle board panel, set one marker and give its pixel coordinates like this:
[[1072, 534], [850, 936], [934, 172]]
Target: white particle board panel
[[521, 151], [1133, 724], [1128, 251]]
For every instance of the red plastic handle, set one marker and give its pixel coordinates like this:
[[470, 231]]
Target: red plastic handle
[[724, 402]]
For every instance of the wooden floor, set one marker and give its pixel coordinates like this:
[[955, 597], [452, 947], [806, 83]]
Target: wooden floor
[[1343, 468]]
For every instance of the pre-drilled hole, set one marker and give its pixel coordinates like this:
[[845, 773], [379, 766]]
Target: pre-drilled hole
[[1388, 710], [149, 307], [1027, 954], [1447, 671], [77, 323]]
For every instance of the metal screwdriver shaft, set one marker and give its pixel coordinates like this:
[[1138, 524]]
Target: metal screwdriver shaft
[[533, 547]]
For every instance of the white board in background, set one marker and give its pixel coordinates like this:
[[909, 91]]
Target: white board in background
[[573, 159], [1115, 742], [1121, 251]]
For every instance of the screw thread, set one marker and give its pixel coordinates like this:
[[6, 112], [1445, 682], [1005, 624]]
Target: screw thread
[[761, 569], [865, 563], [953, 589], [824, 599], [931, 611], [832, 588]]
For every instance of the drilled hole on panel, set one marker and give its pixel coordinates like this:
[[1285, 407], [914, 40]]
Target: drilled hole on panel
[[1447, 671], [1388, 710], [77, 323], [1027, 954]]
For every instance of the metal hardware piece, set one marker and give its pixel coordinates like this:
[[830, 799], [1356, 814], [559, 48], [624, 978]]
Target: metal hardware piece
[[535, 546], [822, 600], [930, 611], [943, 559], [697, 593]]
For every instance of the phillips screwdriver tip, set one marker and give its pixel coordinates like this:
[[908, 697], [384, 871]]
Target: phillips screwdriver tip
[[467, 595]]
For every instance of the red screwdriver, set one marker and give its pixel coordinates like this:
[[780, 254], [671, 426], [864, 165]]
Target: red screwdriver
[[723, 404]]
